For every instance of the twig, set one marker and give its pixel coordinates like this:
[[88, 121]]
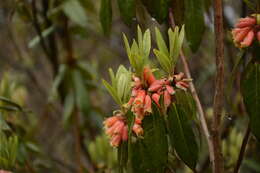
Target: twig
[[242, 150], [201, 113], [78, 141], [217, 160]]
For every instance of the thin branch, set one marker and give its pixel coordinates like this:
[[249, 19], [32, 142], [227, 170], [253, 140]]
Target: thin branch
[[202, 116], [218, 166], [242, 150], [77, 141]]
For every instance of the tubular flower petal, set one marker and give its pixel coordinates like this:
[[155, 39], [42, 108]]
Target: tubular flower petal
[[147, 104], [156, 99], [148, 75], [125, 133], [166, 99], [138, 130], [154, 87], [110, 121], [241, 34], [116, 129], [245, 31], [115, 140], [138, 121], [244, 22], [170, 89], [248, 39]]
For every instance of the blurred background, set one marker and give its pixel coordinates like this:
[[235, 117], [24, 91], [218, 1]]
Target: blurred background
[[53, 55]]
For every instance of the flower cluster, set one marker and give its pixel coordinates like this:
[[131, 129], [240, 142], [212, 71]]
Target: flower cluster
[[245, 31], [116, 129], [151, 89]]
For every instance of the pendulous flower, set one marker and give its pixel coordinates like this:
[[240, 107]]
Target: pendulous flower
[[116, 128], [245, 31]]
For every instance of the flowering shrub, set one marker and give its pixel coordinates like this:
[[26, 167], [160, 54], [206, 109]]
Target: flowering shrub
[[150, 100]]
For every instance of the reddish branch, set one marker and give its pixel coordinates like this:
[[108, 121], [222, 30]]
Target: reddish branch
[[242, 150], [219, 82], [201, 113]]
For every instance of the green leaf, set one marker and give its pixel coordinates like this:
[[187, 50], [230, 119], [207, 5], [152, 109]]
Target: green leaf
[[178, 44], [69, 105], [250, 85], [127, 47], [122, 156], [157, 8], [81, 94], [127, 10], [160, 42], [12, 104], [112, 92], [37, 39], [187, 103], [181, 135], [194, 21], [147, 43], [149, 155], [163, 60], [105, 15], [3, 124], [59, 78], [74, 10]]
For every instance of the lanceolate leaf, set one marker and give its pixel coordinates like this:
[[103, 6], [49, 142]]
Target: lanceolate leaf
[[149, 155], [182, 136], [157, 8], [69, 105], [250, 84], [81, 94], [74, 10], [194, 22], [105, 15], [127, 10]]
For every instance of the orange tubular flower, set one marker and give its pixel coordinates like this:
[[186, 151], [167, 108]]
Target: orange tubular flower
[[147, 104], [245, 31], [148, 75], [138, 130], [116, 129], [166, 99]]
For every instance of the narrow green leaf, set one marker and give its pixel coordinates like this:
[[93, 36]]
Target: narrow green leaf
[[163, 60], [140, 38], [81, 94], [194, 21], [37, 39], [105, 15], [11, 103], [59, 78], [147, 43], [127, 47], [178, 44], [69, 105], [127, 10], [160, 42], [112, 92], [74, 10], [181, 136], [250, 85]]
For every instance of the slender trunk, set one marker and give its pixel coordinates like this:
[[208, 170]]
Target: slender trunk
[[217, 160]]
